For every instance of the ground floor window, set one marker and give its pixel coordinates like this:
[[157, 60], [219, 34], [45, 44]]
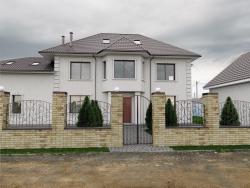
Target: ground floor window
[[172, 98], [16, 107], [76, 102]]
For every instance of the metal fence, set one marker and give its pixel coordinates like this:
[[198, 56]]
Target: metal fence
[[29, 113], [188, 113], [91, 118], [235, 113]]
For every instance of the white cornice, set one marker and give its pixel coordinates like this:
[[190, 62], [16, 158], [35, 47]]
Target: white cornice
[[28, 72], [228, 84]]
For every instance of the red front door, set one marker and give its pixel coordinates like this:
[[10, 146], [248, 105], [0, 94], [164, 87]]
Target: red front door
[[126, 109]]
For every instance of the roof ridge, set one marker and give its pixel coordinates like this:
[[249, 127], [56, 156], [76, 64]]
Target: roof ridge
[[20, 58]]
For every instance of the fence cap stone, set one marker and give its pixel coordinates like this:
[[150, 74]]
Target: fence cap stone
[[1, 89]]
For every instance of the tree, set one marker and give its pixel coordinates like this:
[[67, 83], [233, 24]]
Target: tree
[[229, 114], [90, 114], [170, 114], [148, 118]]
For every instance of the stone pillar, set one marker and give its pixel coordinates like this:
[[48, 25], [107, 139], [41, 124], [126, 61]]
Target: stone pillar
[[158, 118], [4, 109], [59, 118], [117, 120], [210, 101]]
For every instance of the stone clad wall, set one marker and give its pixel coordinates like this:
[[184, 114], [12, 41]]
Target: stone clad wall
[[59, 137], [212, 135]]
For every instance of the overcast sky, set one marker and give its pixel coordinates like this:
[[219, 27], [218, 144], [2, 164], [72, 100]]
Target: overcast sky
[[219, 30]]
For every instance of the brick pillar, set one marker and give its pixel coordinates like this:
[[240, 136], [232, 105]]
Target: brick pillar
[[158, 118], [4, 109], [117, 120], [210, 100], [59, 118]]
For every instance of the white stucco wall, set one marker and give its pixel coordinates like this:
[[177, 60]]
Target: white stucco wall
[[31, 86], [236, 92]]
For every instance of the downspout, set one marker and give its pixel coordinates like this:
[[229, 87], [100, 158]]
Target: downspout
[[150, 76], [95, 76]]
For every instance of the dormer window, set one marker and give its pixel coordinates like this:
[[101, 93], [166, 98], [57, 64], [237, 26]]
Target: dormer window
[[35, 63], [137, 41], [106, 41], [10, 63]]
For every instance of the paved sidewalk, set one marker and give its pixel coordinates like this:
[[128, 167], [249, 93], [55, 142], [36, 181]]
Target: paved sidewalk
[[141, 148]]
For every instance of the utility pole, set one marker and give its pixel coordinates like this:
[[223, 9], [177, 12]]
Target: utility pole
[[196, 89]]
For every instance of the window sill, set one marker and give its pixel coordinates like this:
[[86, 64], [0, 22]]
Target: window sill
[[124, 79], [165, 80], [104, 79], [80, 80]]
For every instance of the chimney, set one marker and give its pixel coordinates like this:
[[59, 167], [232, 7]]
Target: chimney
[[63, 39], [71, 38]]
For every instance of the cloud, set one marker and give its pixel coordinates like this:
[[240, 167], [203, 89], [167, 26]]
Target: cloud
[[218, 30]]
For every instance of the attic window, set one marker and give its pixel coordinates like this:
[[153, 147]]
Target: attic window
[[106, 41], [35, 63], [137, 41], [10, 63]]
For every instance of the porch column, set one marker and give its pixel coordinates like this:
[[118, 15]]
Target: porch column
[[158, 118]]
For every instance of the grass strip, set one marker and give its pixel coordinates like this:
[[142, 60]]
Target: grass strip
[[53, 150], [149, 131], [219, 148], [197, 119]]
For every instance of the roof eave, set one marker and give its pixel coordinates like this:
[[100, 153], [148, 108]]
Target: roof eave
[[227, 84]]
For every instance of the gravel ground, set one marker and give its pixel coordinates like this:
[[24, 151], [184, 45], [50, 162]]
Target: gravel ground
[[108, 170]]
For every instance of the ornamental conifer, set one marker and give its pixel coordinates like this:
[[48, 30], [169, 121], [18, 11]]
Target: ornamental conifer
[[170, 114], [83, 113], [229, 114], [148, 118]]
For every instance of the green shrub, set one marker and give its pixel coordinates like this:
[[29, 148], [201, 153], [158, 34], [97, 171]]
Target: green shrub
[[90, 114], [229, 114], [170, 114], [148, 118]]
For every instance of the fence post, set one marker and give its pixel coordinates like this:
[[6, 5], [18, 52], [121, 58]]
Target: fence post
[[59, 118], [4, 109], [117, 120], [158, 118], [210, 100]]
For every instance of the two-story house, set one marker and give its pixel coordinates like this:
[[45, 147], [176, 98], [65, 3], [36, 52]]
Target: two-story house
[[95, 65]]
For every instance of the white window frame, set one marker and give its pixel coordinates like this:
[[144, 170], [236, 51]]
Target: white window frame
[[113, 66], [91, 63]]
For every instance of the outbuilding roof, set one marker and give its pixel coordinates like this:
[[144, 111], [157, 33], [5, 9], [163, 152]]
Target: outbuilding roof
[[238, 70], [25, 64], [119, 42]]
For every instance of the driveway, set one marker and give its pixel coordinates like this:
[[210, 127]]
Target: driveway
[[113, 170]]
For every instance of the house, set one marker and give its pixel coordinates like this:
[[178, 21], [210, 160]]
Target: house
[[233, 81], [95, 65]]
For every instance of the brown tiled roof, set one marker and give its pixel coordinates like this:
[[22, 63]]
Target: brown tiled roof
[[24, 64], [238, 70], [119, 42]]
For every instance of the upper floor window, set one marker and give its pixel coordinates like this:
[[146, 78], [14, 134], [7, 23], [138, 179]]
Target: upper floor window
[[143, 71], [165, 71], [104, 69], [124, 69], [16, 106], [80, 71]]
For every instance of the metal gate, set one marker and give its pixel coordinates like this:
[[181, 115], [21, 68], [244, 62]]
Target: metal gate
[[135, 128]]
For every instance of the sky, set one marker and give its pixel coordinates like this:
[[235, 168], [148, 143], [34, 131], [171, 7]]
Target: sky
[[219, 30]]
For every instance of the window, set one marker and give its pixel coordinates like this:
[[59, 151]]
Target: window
[[124, 69], [80, 71], [143, 71], [105, 41], [137, 41], [104, 70], [165, 71], [16, 106], [76, 102], [35, 63], [10, 63]]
